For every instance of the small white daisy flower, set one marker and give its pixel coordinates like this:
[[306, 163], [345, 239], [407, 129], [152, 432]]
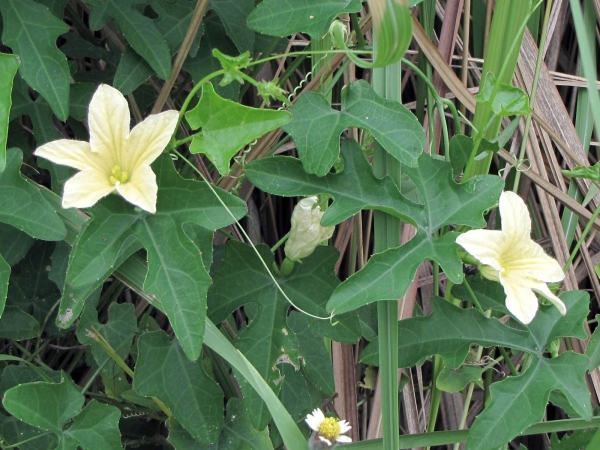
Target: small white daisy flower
[[328, 429]]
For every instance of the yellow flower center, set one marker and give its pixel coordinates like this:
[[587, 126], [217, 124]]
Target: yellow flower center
[[329, 428], [118, 176]]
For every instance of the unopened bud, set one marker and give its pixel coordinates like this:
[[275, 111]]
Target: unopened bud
[[306, 232], [338, 33]]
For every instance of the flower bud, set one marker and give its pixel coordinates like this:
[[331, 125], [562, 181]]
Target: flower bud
[[306, 232], [338, 33]]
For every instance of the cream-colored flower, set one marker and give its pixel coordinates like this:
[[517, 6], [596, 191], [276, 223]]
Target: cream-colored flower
[[306, 232], [511, 257], [115, 159], [328, 429]]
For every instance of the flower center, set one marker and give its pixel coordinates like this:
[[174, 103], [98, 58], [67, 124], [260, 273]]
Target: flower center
[[118, 176], [329, 428]]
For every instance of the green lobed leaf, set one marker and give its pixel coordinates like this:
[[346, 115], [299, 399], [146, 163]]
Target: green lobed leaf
[[298, 394], [593, 348], [286, 17], [176, 274], [14, 375], [139, 30], [316, 127], [96, 428], [4, 277], [22, 205], [132, 71], [44, 405], [30, 288], [238, 432], [81, 95], [455, 380], [31, 30], [519, 402], [56, 7], [38, 110], [387, 275], [507, 100], [119, 332], [163, 371], [234, 15], [489, 293], [8, 68], [312, 351], [14, 244], [268, 340], [228, 126], [18, 325], [578, 440], [13, 431], [449, 331], [353, 189]]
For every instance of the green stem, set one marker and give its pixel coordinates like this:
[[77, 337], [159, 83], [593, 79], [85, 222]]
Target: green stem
[[281, 241], [581, 240], [386, 83]]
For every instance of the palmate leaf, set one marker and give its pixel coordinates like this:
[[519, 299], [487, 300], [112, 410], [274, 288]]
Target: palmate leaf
[[316, 127], [163, 371], [269, 339], [8, 68], [516, 402], [387, 275], [31, 30], [228, 126], [176, 274], [139, 30], [50, 406], [285, 17]]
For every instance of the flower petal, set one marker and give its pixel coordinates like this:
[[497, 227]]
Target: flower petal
[[486, 246], [520, 299], [149, 138], [343, 439], [76, 154], [531, 261], [85, 189], [108, 120], [344, 426], [516, 222], [327, 441], [543, 290], [141, 189]]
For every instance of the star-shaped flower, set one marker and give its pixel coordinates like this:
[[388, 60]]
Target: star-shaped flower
[[328, 429], [511, 257], [115, 159]]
